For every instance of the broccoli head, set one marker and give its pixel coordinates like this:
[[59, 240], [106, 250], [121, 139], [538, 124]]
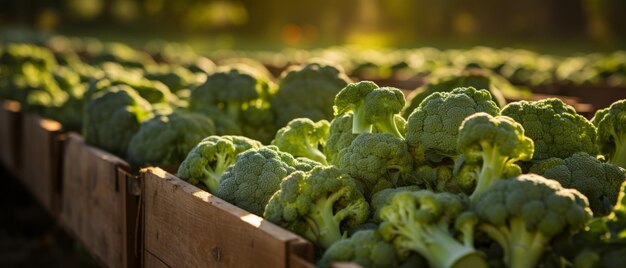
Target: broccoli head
[[611, 125], [231, 89], [524, 213], [112, 116], [383, 197], [555, 127], [339, 138], [303, 138], [377, 160], [366, 248], [165, 140], [495, 142], [152, 91], [598, 181], [424, 222], [210, 158], [371, 106], [255, 177], [433, 127], [307, 91], [224, 123], [321, 205]]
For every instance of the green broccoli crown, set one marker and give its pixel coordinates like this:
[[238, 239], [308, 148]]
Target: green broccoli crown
[[255, 177], [210, 158], [420, 221], [224, 123], [258, 122], [374, 158], [152, 91], [434, 126], [306, 164], [112, 117], [383, 198], [498, 142], [371, 106], [165, 140], [320, 205], [303, 138], [555, 127], [366, 248], [17, 58], [524, 213], [230, 89], [611, 125], [294, 97], [598, 181], [340, 137], [173, 76]]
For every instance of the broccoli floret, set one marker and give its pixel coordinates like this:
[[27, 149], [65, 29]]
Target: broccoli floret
[[421, 221], [524, 213], [372, 107], [303, 138], [112, 116], [255, 177], [432, 128], [257, 122], [152, 91], [340, 137], [231, 89], [366, 248], [377, 160], [307, 91], [321, 205], [306, 164], [174, 77], [165, 140], [495, 142], [449, 79], [555, 127], [383, 197], [224, 123], [598, 181], [210, 158], [611, 125]]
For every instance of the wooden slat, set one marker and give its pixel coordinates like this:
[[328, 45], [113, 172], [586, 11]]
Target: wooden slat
[[188, 227], [93, 201], [41, 159], [151, 261], [10, 136]]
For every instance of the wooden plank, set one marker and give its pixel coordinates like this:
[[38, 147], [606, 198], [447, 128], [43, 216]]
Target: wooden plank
[[41, 159], [10, 136], [151, 261], [185, 226], [93, 201]]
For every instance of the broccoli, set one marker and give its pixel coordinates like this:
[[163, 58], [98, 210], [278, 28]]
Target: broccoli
[[165, 140], [371, 106], [152, 91], [496, 142], [320, 205], [112, 116], [555, 127], [376, 160], [446, 80], [255, 177], [303, 138], [210, 158], [432, 128], [598, 181], [383, 197], [611, 125], [365, 248], [306, 164], [522, 214], [257, 122], [307, 91], [339, 138], [224, 123], [420, 222], [174, 77], [231, 89]]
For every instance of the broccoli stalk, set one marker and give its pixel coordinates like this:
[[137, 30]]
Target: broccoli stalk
[[618, 157], [522, 248], [324, 223], [498, 142], [419, 221]]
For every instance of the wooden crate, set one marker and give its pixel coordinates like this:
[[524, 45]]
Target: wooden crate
[[42, 155], [185, 226], [10, 136], [99, 203]]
